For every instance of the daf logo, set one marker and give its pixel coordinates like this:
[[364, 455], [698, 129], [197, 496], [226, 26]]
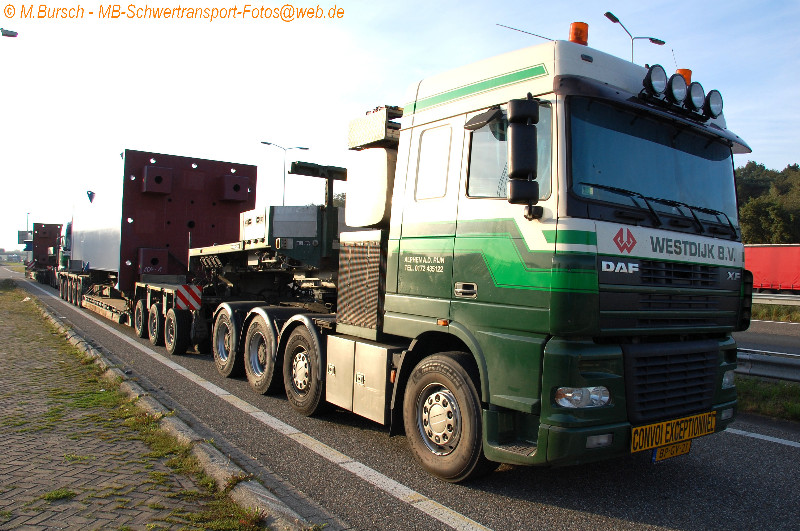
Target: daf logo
[[619, 267], [734, 275]]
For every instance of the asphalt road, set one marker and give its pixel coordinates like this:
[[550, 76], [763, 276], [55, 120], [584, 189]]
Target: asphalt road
[[770, 336], [348, 473]]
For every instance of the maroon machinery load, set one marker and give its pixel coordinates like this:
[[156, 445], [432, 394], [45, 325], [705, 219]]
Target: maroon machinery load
[[141, 230], [776, 268]]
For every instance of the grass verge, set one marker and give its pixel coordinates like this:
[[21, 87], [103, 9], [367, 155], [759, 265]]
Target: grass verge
[[776, 399], [776, 312]]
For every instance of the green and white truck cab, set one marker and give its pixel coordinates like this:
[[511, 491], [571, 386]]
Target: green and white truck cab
[[559, 231]]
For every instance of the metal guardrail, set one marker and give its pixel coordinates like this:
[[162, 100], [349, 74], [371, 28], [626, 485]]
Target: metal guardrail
[[784, 300], [778, 365]]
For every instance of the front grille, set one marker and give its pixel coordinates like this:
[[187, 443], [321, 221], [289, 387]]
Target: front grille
[[669, 380], [669, 301], [656, 273]]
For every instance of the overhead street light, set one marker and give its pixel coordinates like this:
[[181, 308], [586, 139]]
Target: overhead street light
[[285, 149], [8, 33], [610, 16]]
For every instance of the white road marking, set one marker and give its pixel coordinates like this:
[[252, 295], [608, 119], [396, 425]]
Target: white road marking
[[785, 442], [386, 484]]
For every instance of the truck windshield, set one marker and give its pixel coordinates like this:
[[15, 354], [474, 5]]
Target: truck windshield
[[619, 149]]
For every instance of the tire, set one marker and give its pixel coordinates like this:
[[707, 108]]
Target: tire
[[442, 417], [305, 387], [140, 318], [176, 331], [155, 325], [76, 293], [260, 359], [223, 344], [61, 288]]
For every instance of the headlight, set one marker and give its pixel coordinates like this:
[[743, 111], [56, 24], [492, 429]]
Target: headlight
[[697, 96], [728, 380], [656, 80], [676, 88], [580, 397], [713, 105]]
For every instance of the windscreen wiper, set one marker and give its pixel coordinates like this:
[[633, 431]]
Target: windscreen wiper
[[630, 193], [692, 208], [672, 202]]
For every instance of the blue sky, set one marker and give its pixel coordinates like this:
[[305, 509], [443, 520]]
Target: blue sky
[[76, 93]]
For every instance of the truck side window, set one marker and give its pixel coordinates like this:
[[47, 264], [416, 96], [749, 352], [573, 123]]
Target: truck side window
[[488, 162], [434, 158]]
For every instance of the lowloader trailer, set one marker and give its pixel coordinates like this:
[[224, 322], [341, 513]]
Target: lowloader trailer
[[543, 266]]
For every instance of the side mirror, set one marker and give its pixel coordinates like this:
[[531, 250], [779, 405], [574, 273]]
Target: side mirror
[[523, 115], [522, 151], [522, 192]]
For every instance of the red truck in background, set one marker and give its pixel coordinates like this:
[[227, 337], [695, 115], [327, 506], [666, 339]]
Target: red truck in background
[[776, 268]]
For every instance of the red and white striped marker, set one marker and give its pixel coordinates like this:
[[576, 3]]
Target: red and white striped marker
[[188, 297]]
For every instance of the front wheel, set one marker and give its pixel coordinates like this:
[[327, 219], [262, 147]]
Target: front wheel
[[305, 386], [442, 417]]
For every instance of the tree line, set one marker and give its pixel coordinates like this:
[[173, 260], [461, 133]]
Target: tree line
[[769, 203]]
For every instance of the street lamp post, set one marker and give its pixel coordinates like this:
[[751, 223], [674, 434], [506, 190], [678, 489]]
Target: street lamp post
[[610, 16], [285, 149]]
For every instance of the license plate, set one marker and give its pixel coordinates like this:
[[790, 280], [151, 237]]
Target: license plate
[[672, 431], [673, 450]]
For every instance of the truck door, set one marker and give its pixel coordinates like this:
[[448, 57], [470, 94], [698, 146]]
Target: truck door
[[502, 262], [425, 269]]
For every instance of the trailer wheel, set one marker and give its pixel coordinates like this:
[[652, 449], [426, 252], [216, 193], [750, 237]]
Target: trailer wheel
[[176, 331], [76, 295], [140, 318], [155, 325], [442, 417], [305, 388], [222, 343], [260, 359]]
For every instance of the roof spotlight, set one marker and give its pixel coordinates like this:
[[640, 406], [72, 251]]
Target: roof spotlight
[[697, 96], [656, 80], [676, 88], [713, 105]]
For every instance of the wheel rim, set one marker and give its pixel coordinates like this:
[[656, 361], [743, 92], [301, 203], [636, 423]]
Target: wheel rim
[[169, 331], [223, 337], [257, 354], [438, 419], [139, 317], [300, 370]]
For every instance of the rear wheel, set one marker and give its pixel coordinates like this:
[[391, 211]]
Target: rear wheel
[[305, 387], [155, 325], [140, 318], [442, 417], [176, 331], [260, 359], [224, 346]]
